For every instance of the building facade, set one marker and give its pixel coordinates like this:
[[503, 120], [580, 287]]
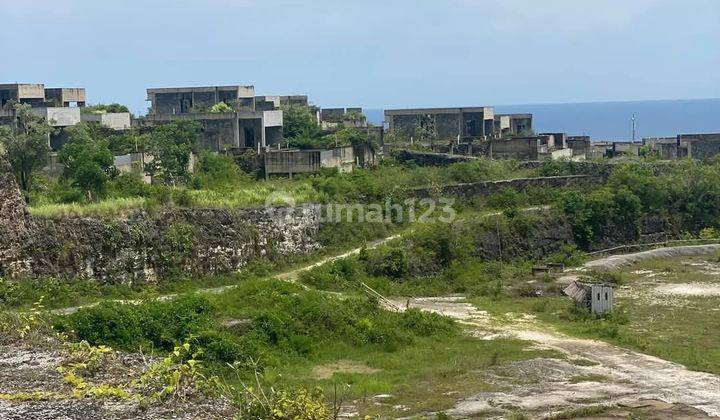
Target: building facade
[[465, 124], [242, 124]]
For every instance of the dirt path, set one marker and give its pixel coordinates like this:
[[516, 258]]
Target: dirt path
[[631, 376], [292, 276], [618, 261]]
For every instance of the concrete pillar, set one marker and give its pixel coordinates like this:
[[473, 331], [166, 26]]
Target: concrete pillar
[[236, 131]]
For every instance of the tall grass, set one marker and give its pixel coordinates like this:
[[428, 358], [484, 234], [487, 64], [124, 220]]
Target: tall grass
[[252, 195], [109, 207]]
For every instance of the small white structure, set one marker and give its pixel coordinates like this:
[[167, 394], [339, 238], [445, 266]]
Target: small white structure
[[597, 298]]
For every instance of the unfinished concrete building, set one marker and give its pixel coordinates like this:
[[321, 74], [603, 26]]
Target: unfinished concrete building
[[60, 107], [332, 118], [519, 148], [24, 93], [244, 126], [274, 102], [580, 145], [698, 146], [513, 124], [665, 147], [465, 124], [295, 161]]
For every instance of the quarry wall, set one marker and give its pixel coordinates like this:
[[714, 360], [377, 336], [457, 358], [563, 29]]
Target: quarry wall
[[145, 245], [465, 191]]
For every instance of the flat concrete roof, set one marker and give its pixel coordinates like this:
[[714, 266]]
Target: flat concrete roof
[[16, 85], [413, 111], [521, 115], [241, 115], [197, 89]]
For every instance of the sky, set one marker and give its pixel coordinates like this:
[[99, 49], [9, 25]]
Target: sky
[[370, 53]]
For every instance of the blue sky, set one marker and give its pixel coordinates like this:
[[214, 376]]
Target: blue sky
[[376, 54]]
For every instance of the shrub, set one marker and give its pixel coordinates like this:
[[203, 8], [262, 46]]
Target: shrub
[[272, 404], [383, 261], [426, 323], [161, 325]]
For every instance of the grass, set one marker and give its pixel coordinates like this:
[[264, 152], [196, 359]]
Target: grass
[[363, 185], [254, 195], [422, 362], [429, 373], [679, 329], [105, 208]]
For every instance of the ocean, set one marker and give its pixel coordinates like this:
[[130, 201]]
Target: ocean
[[613, 120]]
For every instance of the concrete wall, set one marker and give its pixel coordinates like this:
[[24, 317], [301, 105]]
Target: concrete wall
[[59, 116], [520, 148], [332, 114], [112, 120], [701, 146], [580, 145], [273, 118], [31, 91], [64, 96], [342, 158]]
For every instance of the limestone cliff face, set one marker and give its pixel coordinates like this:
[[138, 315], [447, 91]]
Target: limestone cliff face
[[177, 242], [15, 224], [145, 246]]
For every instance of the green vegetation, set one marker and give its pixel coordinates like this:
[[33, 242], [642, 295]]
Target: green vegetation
[[302, 339], [88, 162], [26, 145], [104, 108], [218, 183], [171, 146]]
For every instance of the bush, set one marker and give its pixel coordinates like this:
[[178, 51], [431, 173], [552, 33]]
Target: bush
[[160, 325], [129, 185], [383, 261], [272, 404], [426, 323], [218, 347], [218, 172]]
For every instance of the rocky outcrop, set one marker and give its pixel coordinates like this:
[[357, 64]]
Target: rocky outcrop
[[469, 190], [15, 224], [177, 242], [146, 245]]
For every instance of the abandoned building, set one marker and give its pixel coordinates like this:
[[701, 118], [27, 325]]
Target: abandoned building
[[243, 126], [333, 118], [519, 148], [554, 140], [60, 107], [698, 146], [664, 147], [463, 124], [596, 298], [580, 145], [295, 161], [513, 124], [113, 120]]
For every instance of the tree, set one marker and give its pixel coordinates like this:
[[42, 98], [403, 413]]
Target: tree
[[171, 145], [26, 144], [297, 121], [105, 108], [88, 161]]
